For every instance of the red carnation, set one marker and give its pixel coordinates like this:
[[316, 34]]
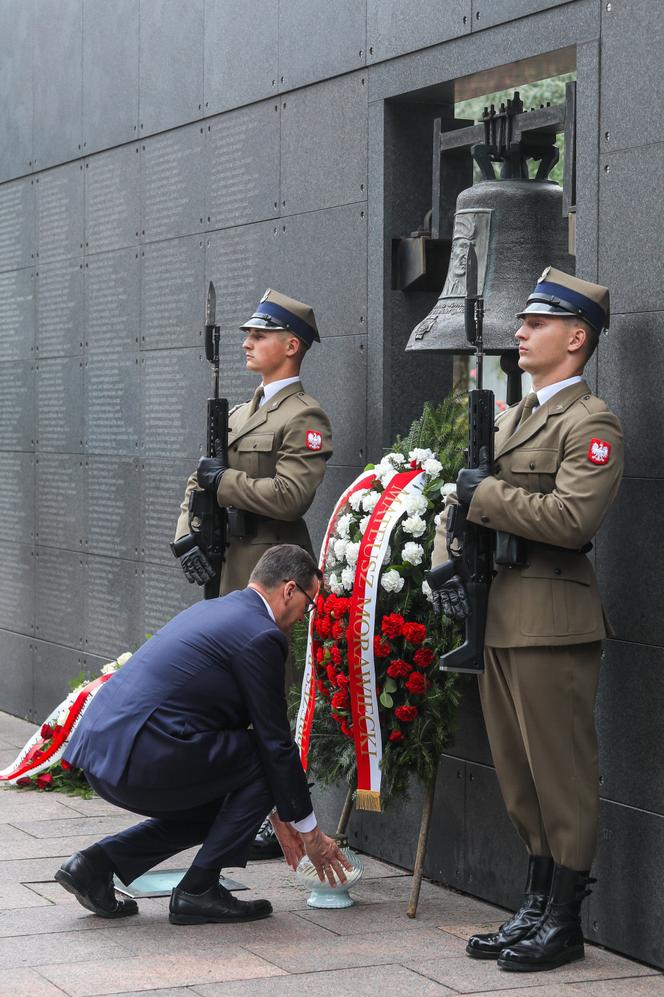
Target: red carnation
[[323, 689], [44, 780], [406, 713], [342, 606], [398, 669], [416, 683], [338, 630], [414, 632], [396, 737], [331, 674], [342, 680], [382, 647], [392, 625], [320, 655], [46, 731], [423, 658], [335, 656], [322, 626], [341, 699], [326, 605]]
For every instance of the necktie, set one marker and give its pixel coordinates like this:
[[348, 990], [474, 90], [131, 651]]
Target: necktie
[[255, 401], [528, 406]]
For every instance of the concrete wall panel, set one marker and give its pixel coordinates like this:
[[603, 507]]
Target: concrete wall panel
[[172, 172], [110, 73], [17, 224], [167, 38], [335, 39], [17, 588], [241, 52], [16, 86], [58, 81], [60, 405], [393, 28], [15, 674], [59, 211], [17, 314], [61, 501], [112, 190], [17, 496], [17, 406], [172, 293], [113, 404], [59, 309], [60, 596], [112, 303], [113, 486]]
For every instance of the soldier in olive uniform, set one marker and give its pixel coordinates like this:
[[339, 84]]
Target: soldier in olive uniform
[[278, 446], [558, 466]]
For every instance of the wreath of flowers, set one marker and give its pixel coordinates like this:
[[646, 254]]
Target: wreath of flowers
[[417, 701]]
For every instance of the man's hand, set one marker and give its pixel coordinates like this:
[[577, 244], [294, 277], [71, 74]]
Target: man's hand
[[470, 477], [209, 472], [326, 856], [451, 599], [289, 839], [196, 566]]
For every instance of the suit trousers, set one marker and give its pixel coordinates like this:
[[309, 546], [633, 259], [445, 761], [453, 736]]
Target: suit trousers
[[538, 705], [225, 825]]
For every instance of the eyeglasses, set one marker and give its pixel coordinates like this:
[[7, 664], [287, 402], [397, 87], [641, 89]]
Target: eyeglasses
[[311, 603]]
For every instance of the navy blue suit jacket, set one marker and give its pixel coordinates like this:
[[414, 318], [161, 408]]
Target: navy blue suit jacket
[[178, 714]]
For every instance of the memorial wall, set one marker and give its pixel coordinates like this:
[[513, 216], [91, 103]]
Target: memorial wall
[[148, 146]]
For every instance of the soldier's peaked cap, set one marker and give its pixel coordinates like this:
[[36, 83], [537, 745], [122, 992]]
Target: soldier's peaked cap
[[277, 311], [559, 293]]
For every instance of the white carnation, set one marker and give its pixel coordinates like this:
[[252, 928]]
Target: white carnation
[[335, 585], [340, 549], [352, 551], [395, 459], [412, 553], [355, 501], [124, 658], [387, 556], [432, 467], [414, 525], [370, 501], [364, 523], [426, 591], [414, 503], [343, 526], [348, 578], [419, 455], [109, 668], [392, 581]]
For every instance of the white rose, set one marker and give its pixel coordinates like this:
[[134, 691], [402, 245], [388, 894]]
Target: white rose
[[414, 503], [370, 501], [419, 455], [414, 525], [343, 526], [352, 550], [335, 585], [348, 578], [364, 523], [426, 591], [412, 553], [355, 501], [392, 581], [432, 467], [340, 549]]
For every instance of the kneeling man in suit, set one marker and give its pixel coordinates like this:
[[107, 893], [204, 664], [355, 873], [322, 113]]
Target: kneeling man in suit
[[193, 733]]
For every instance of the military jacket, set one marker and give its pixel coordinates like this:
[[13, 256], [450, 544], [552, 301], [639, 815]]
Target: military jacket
[[276, 458], [555, 478]]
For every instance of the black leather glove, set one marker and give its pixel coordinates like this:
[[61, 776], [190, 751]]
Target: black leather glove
[[451, 600], [209, 472], [196, 566], [470, 477]]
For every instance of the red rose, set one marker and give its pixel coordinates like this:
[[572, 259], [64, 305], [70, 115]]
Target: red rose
[[423, 658], [398, 669], [338, 630], [416, 683], [396, 737], [414, 632], [46, 731], [322, 626], [345, 729], [406, 713], [342, 680], [44, 780], [392, 625], [341, 699], [24, 782], [382, 647], [65, 766], [336, 656]]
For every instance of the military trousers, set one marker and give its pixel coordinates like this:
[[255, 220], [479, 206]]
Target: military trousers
[[538, 705]]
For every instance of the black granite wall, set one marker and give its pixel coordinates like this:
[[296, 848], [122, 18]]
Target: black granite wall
[[147, 146]]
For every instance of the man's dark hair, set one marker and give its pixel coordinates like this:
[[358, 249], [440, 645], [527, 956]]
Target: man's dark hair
[[592, 336], [284, 563]]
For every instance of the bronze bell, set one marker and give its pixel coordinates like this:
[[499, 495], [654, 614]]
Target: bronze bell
[[517, 229]]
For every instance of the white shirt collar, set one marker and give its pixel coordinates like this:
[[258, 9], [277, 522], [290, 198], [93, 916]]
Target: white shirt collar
[[267, 604], [544, 394], [270, 390]]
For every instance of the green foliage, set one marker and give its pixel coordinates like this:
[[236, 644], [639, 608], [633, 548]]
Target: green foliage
[[71, 782]]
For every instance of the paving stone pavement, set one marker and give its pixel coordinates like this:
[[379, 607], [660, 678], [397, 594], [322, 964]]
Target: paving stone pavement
[[50, 946]]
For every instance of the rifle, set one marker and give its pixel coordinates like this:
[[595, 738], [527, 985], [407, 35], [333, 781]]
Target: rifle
[[207, 519], [473, 545]]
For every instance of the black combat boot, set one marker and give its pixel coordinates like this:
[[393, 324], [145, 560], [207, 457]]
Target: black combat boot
[[558, 937], [538, 884]]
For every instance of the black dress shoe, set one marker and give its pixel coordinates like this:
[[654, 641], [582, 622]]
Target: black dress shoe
[[538, 884], [217, 905], [558, 938], [266, 844], [93, 889]]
